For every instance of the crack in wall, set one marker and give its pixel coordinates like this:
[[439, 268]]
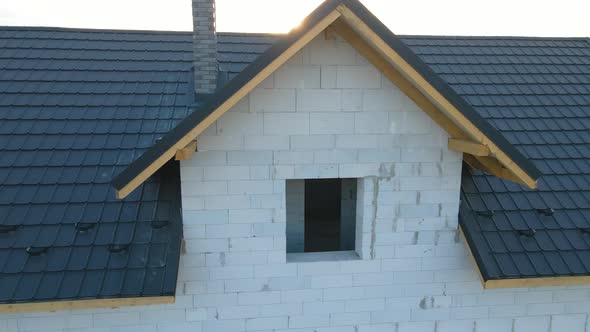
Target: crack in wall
[[374, 215]]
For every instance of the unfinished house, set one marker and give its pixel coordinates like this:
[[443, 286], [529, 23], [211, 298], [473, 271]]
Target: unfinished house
[[337, 178]]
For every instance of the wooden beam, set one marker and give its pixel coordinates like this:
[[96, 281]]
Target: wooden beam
[[229, 103], [187, 152], [432, 94], [468, 147], [83, 304], [491, 166], [329, 33]]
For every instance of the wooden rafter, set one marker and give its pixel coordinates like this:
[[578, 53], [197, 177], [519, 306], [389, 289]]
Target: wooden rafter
[[329, 33], [83, 304], [449, 111], [468, 147], [187, 152]]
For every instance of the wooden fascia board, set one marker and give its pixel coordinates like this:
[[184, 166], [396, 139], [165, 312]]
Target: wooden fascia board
[[187, 152], [431, 93], [468, 147], [83, 304], [229, 103], [538, 282]]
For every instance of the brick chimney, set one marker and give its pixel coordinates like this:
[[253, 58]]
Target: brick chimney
[[204, 46]]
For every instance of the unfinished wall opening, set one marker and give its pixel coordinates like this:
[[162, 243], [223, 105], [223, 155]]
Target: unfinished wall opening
[[321, 215]]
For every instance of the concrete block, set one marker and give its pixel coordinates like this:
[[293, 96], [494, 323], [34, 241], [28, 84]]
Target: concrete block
[[297, 77], [266, 323], [266, 143], [416, 327], [335, 156], [249, 157], [352, 100], [356, 141], [326, 307], [358, 77], [328, 77], [286, 124], [331, 123], [224, 325], [350, 318], [240, 124], [237, 312], [319, 100], [331, 53], [313, 142], [313, 321], [293, 157], [255, 298], [248, 187], [272, 100], [371, 122], [531, 324], [220, 143]]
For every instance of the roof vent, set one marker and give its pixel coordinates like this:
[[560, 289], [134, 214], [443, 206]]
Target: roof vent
[[548, 212], [487, 214], [527, 232], [8, 228], [118, 248], [36, 251]]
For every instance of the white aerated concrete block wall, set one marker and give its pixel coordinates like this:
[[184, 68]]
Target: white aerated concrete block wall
[[326, 114]]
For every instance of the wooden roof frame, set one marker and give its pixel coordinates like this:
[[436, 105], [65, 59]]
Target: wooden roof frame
[[482, 145]]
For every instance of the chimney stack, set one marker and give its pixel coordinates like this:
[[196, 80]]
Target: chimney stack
[[204, 46]]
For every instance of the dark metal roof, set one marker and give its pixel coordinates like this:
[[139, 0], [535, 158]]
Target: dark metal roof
[[76, 107], [210, 104]]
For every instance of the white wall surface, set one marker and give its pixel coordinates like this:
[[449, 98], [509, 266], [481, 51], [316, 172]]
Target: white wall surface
[[326, 114]]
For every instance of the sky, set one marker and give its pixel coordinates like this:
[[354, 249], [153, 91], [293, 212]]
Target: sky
[[563, 18]]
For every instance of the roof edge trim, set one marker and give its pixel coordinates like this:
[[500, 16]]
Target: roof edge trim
[[537, 282], [11, 308]]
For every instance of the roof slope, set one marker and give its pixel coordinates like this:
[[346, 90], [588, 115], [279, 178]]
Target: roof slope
[[77, 106]]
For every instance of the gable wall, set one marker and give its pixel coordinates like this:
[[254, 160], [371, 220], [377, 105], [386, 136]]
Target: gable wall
[[326, 114]]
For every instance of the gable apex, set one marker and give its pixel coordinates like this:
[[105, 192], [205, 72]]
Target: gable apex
[[376, 42]]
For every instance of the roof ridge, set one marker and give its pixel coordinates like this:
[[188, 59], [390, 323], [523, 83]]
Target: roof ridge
[[253, 34], [90, 30], [492, 37], [268, 34]]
